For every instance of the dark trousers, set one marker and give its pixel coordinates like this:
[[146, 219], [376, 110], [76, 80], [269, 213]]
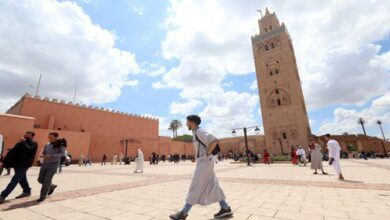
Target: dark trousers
[[20, 177], [45, 177]]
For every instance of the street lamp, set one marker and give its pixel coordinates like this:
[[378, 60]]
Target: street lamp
[[257, 130]]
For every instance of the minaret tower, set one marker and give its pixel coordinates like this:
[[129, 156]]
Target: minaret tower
[[283, 106]]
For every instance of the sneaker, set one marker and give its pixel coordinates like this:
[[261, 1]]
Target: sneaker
[[41, 199], [2, 200], [178, 216], [23, 195], [224, 213], [51, 190]]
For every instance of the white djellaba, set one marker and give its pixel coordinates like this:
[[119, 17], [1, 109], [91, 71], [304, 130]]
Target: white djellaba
[[139, 166]]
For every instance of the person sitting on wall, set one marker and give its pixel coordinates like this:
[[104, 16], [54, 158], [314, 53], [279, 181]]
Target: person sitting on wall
[[21, 158]]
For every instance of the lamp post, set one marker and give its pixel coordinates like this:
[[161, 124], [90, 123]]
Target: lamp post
[[245, 129]]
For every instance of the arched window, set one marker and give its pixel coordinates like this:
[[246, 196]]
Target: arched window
[[284, 135], [270, 27], [277, 91], [272, 45], [270, 73], [266, 47], [279, 102], [266, 30], [276, 71]]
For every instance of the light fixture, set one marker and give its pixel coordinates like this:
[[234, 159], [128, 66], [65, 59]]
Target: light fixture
[[234, 132], [257, 130]]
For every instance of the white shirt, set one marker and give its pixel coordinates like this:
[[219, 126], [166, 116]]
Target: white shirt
[[334, 149], [300, 152]]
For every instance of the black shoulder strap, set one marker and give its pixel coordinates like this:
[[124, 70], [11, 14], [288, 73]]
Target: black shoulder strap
[[196, 137]]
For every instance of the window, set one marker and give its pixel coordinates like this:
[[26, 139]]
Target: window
[[279, 102], [276, 71], [266, 47], [270, 27], [277, 91], [270, 73], [284, 135], [272, 45], [266, 30]]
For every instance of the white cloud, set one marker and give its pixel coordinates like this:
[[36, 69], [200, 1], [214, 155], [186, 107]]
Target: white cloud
[[184, 108], [254, 85], [153, 69], [59, 41], [345, 120], [136, 7], [335, 45], [132, 83]]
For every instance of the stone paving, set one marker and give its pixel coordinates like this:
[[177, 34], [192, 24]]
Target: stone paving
[[278, 191]]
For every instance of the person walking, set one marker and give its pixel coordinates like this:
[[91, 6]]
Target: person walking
[[316, 156], [301, 155], [21, 158], [334, 155], [81, 159], [104, 159], [52, 153], [266, 157], [139, 167], [88, 161], [294, 156], [120, 158], [204, 189], [114, 160]]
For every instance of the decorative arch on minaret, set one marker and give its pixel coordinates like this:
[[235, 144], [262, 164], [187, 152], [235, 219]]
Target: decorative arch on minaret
[[278, 97]]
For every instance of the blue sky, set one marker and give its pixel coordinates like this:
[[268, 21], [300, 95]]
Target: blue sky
[[142, 34], [171, 58]]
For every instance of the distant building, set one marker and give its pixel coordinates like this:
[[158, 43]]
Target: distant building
[[89, 130]]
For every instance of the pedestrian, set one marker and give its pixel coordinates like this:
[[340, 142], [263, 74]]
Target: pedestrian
[[88, 160], [301, 155], [104, 159], [120, 158], [266, 156], [294, 156], [114, 160], [334, 155], [204, 189], [139, 166], [81, 159], [52, 153], [316, 156], [21, 158]]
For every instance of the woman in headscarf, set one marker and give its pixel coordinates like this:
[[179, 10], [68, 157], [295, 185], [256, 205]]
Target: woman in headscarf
[[316, 156], [139, 166]]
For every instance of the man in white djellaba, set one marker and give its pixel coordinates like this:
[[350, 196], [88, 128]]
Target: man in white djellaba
[[334, 155], [204, 189], [139, 166]]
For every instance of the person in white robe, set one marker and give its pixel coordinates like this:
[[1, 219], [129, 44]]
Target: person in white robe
[[139, 166], [334, 155], [204, 189]]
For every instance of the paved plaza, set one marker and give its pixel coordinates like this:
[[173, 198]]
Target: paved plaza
[[279, 191]]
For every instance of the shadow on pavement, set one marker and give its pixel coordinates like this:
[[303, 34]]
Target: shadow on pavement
[[22, 205]]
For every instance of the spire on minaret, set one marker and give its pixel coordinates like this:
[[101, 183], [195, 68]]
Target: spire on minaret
[[266, 11]]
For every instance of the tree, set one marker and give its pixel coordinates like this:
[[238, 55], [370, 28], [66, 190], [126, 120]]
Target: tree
[[174, 126], [362, 122], [380, 126]]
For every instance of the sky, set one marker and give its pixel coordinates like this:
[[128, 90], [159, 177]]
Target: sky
[[169, 58]]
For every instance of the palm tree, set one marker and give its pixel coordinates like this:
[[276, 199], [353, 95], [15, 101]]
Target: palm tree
[[361, 122], [379, 122], [174, 126]]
